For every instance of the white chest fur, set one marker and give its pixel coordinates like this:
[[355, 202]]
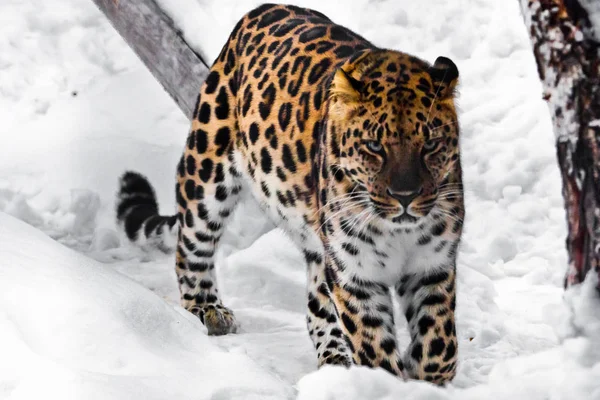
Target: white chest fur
[[393, 252]]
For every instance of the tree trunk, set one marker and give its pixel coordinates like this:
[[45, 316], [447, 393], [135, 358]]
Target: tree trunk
[[564, 35], [157, 41]]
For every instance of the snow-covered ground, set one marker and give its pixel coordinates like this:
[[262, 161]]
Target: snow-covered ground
[[101, 321]]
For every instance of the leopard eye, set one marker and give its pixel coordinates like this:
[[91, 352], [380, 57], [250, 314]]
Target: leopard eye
[[430, 145], [374, 146]]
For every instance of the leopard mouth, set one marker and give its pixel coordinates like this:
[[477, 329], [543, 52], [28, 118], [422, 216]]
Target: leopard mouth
[[396, 214], [396, 217], [404, 218]]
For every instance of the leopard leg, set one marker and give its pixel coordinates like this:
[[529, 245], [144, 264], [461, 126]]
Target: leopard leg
[[367, 320], [208, 189], [322, 320], [428, 302]]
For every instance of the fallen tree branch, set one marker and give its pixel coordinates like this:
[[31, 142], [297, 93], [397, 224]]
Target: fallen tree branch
[[159, 44]]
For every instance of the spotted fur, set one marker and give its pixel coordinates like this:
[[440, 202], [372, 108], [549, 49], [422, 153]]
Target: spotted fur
[[354, 151]]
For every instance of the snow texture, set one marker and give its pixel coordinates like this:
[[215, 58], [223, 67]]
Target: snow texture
[[592, 8], [84, 315]]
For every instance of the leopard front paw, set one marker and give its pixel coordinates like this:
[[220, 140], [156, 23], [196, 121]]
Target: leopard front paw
[[218, 319], [340, 359]]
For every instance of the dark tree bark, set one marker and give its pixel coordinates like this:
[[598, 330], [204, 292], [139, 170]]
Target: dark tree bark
[[565, 45], [159, 44]]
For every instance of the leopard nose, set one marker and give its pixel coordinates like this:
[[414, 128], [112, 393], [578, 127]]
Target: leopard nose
[[405, 197]]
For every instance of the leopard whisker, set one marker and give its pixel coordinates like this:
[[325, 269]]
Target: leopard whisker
[[451, 184], [337, 213], [340, 198], [369, 218], [448, 193], [356, 219], [453, 217]]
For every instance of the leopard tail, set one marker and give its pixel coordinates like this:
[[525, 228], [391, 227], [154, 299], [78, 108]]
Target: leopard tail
[[138, 215]]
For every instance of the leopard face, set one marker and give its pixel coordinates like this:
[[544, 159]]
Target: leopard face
[[396, 131]]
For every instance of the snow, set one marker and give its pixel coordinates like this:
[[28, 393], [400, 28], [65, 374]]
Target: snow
[[77, 329], [593, 10], [83, 314]]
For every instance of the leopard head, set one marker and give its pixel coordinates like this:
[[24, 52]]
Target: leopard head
[[393, 131]]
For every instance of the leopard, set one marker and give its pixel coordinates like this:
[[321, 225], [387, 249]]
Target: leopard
[[353, 150]]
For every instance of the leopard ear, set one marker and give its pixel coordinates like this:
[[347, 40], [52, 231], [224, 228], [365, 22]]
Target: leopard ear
[[346, 89], [444, 75]]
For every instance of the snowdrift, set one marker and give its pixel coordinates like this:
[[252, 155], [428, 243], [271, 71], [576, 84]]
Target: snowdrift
[[73, 329]]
